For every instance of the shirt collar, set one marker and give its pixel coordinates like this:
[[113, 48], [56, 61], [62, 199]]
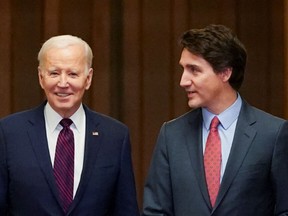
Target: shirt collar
[[227, 117], [52, 118]]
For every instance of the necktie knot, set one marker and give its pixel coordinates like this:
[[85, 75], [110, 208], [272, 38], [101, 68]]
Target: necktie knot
[[214, 123], [66, 122]]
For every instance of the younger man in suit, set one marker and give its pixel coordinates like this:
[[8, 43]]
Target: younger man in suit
[[239, 165], [62, 158]]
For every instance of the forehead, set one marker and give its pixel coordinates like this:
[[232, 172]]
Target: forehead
[[65, 57], [71, 51], [187, 58]]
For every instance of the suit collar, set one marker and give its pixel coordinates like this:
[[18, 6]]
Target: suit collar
[[93, 142], [193, 135], [37, 133], [244, 135]]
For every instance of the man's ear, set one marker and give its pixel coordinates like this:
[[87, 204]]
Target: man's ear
[[226, 74], [40, 77], [89, 78]]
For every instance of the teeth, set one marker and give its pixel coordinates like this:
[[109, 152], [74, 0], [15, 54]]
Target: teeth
[[62, 94]]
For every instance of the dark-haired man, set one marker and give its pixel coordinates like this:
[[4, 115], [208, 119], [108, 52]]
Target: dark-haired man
[[240, 165]]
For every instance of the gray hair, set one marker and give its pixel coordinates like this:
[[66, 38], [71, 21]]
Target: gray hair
[[63, 41]]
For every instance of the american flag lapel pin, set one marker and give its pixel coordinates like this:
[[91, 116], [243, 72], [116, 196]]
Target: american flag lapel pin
[[95, 133]]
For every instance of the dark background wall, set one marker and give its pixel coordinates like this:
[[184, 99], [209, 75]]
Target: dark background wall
[[135, 44]]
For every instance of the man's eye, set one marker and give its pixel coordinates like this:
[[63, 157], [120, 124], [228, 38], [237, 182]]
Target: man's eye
[[73, 74], [194, 70], [53, 73]]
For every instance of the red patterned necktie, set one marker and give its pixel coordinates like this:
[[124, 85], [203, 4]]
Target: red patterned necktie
[[64, 164], [212, 160]]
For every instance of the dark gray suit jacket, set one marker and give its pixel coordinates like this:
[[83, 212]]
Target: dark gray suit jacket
[[255, 182], [27, 185]]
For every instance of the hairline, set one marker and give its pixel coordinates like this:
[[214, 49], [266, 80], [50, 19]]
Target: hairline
[[63, 41]]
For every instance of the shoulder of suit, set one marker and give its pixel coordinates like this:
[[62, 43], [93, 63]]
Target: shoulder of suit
[[263, 115], [188, 116], [101, 118], [260, 117], [36, 112]]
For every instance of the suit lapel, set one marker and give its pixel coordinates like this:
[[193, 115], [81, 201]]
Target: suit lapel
[[195, 149], [93, 142], [37, 134], [243, 137]]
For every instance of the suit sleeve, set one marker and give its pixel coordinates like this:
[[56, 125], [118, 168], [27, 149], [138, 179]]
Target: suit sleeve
[[125, 199], [157, 191], [3, 174], [280, 171]]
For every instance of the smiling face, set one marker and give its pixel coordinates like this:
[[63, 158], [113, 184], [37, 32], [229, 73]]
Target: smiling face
[[204, 87], [64, 76]]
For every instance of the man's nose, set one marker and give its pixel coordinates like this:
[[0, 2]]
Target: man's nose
[[63, 81], [185, 81]]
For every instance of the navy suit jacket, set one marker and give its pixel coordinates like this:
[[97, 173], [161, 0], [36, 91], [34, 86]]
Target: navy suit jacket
[[255, 182], [27, 185]]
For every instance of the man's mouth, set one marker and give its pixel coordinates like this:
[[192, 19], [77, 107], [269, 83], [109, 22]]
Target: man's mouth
[[62, 94], [190, 93]]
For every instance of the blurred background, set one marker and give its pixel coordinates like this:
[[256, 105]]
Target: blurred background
[[136, 54]]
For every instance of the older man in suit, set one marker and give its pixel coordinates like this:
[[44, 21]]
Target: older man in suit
[[62, 158], [238, 166]]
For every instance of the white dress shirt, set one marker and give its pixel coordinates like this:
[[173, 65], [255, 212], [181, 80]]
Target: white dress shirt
[[78, 127]]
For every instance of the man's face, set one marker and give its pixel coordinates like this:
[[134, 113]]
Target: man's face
[[64, 78], [204, 87]]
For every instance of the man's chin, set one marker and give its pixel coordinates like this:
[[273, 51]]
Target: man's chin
[[193, 105]]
